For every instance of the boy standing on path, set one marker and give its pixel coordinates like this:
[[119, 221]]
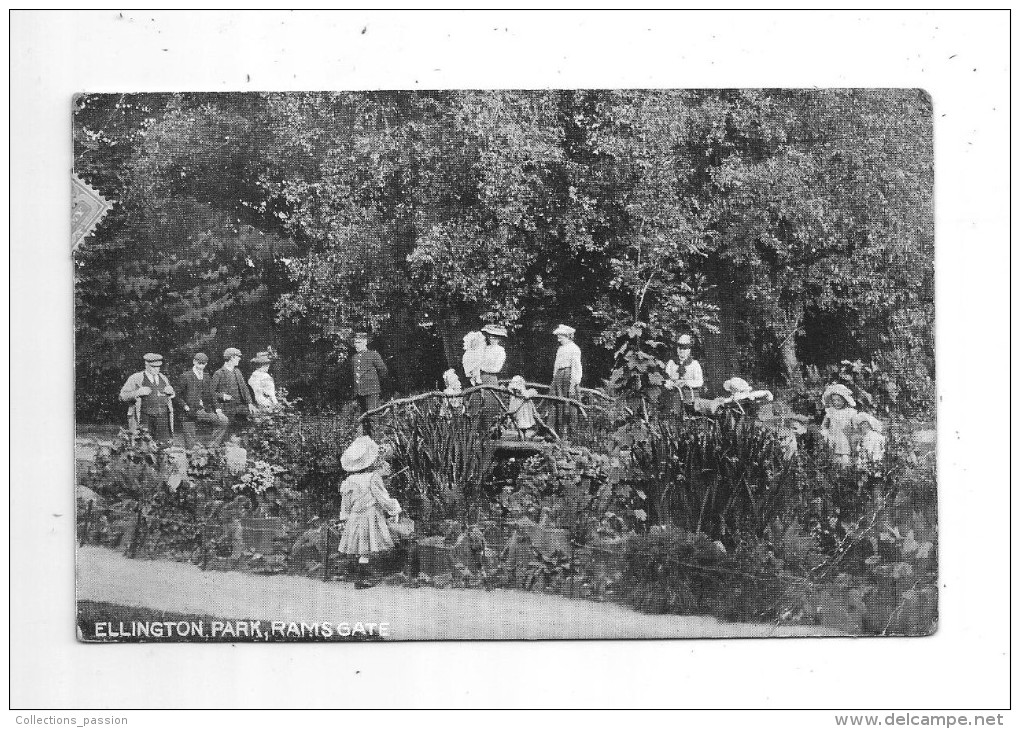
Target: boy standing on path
[[233, 398], [369, 370]]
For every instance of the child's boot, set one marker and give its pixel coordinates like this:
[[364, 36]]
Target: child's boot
[[364, 577]]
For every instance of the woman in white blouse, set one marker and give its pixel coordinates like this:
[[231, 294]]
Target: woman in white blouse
[[261, 383], [566, 380], [493, 359]]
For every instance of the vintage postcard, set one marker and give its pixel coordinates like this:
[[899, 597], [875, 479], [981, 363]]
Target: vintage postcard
[[548, 364]]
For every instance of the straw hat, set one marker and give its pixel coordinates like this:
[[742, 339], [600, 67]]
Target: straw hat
[[564, 330], [360, 454], [684, 342], [494, 330], [843, 391], [869, 420], [262, 358], [152, 358], [736, 386]]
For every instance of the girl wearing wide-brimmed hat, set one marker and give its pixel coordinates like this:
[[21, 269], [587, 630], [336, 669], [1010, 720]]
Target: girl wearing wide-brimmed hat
[[522, 408], [365, 505], [871, 449], [838, 424]]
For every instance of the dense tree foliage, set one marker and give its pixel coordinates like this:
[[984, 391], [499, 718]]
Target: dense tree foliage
[[783, 227]]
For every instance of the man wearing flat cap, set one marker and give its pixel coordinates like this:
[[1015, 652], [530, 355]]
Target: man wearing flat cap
[[566, 381], [369, 370], [151, 396], [198, 404], [233, 398]]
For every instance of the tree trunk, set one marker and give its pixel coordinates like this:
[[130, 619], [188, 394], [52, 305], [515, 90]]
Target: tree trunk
[[453, 346], [791, 364], [788, 347]]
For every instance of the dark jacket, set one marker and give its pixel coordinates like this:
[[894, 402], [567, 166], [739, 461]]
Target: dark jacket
[[231, 382], [368, 369], [195, 393]]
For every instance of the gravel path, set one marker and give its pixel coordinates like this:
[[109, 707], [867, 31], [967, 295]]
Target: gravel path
[[413, 614]]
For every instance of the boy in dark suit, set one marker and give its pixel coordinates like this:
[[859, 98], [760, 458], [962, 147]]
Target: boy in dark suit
[[198, 403]]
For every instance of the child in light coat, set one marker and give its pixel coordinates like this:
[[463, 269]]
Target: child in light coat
[[522, 408], [365, 506]]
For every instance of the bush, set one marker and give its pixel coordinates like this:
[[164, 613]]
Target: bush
[[580, 490], [724, 476], [307, 448], [441, 463], [671, 570]]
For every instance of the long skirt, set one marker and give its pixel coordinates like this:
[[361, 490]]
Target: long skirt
[[491, 410], [564, 417]]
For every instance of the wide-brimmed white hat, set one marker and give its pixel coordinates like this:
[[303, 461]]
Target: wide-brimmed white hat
[[495, 330], [564, 330], [360, 454], [684, 341], [869, 420], [843, 391], [736, 386]]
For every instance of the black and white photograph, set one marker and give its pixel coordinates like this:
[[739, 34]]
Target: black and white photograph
[[461, 364], [511, 359]]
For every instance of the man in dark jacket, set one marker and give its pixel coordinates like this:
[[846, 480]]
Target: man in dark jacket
[[233, 398], [369, 370], [195, 396]]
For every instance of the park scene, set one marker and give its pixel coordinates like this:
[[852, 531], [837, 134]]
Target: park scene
[[509, 364]]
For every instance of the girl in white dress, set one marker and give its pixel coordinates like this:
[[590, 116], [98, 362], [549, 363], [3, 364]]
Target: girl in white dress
[[838, 424]]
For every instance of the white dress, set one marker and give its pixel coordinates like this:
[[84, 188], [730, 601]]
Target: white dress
[[836, 427]]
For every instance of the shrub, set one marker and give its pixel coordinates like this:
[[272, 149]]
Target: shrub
[[441, 464], [307, 448], [671, 570], [723, 476], [579, 489]]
